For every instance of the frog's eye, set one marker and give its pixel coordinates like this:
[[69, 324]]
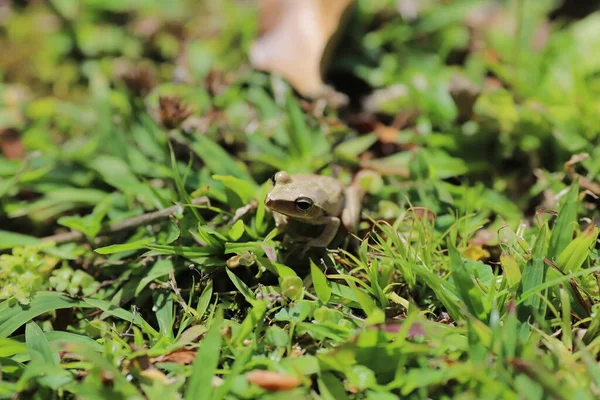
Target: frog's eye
[[303, 204]]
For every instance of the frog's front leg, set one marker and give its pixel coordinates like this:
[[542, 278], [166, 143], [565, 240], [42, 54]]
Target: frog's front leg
[[331, 227], [281, 221]]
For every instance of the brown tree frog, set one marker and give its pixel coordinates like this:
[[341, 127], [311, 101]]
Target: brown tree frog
[[314, 200]]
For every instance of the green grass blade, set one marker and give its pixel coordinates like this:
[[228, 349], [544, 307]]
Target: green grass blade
[[574, 255], [218, 160], [562, 231], [206, 362], [242, 287], [320, 283], [13, 317], [38, 345], [533, 275], [298, 132], [466, 289], [9, 240]]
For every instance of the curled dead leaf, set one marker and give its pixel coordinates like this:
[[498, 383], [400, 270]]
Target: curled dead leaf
[[272, 381], [139, 80], [182, 356], [296, 40], [172, 111]]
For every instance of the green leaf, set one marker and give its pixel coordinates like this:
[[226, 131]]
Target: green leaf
[[209, 236], [365, 301], [119, 248], [252, 320], [259, 222], [207, 359], [351, 148], [276, 268], [163, 304], [511, 269], [14, 316], [180, 185], [8, 240], [275, 336], [237, 230], [38, 346], [291, 287], [466, 288], [320, 283], [204, 300], [90, 225], [574, 255], [118, 174], [172, 233], [60, 338], [160, 268], [10, 347], [245, 190], [218, 160], [566, 222], [298, 132], [534, 274], [183, 251], [331, 388], [241, 286], [122, 314]]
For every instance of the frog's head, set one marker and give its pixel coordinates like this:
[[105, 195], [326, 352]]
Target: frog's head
[[296, 199]]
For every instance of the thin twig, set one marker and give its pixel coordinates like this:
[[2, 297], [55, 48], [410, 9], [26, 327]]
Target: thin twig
[[130, 223]]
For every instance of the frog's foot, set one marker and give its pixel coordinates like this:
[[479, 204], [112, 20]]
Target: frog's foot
[[315, 243]]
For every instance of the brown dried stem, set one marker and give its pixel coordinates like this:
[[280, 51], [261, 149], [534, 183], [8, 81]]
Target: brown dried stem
[[130, 223]]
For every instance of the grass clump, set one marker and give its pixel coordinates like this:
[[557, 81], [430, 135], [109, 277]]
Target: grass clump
[[139, 260]]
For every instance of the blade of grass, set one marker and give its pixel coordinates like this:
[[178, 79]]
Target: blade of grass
[[38, 345], [562, 231], [206, 362], [534, 275]]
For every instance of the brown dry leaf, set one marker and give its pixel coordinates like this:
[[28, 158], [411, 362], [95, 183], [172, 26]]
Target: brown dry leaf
[[272, 381], [11, 145], [172, 111], [139, 80], [386, 134], [483, 237], [465, 93], [181, 356], [296, 39], [423, 213], [147, 369], [584, 182]]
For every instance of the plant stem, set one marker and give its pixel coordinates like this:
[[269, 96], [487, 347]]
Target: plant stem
[[130, 223]]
